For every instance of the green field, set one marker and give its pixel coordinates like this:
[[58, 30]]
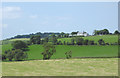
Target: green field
[[106, 38], [57, 66], [23, 39], [62, 67], [77, 51]]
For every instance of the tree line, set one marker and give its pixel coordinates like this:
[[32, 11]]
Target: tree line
[[105, 32], [74, 41]]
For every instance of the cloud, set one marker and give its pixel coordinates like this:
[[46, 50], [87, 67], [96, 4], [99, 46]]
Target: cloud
[[11, 12], [33, 16]]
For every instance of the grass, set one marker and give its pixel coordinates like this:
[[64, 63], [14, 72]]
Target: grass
[[106, 38], [23, 39], [6, 47], [62, 67], [77, 51]]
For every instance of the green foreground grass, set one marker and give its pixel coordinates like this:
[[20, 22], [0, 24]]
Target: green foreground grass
[[62, 67]]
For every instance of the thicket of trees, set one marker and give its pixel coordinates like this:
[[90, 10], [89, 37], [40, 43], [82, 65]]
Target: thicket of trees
[[17, 53], [101, 32]]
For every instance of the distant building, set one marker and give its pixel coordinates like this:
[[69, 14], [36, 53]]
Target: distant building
[[80, 34]]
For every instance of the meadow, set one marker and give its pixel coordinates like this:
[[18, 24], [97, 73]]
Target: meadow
[[106, 38], [77, 51], [59, 66], [62, 67]]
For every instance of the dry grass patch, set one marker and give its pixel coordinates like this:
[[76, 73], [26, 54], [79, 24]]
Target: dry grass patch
[[62, 67]]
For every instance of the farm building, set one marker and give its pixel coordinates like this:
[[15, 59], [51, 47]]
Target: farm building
[[80, 34]]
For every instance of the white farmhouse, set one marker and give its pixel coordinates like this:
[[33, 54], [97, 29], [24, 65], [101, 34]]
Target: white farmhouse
[[80, 34]]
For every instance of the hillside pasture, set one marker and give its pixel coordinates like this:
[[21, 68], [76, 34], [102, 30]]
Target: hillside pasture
[[23, 39], [106, 38], [77, 51]]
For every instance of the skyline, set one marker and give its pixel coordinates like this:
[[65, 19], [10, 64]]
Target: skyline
[[25, 18]]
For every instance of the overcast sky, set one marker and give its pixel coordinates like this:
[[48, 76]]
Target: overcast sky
[[32, 17]]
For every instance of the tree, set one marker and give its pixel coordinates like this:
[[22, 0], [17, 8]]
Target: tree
[[53, 39], [105, 31], [101, 32], [64, 43], [35, 39], [101, 42], [86, 42], [10, 55], [32, 40], [66, 35], [62, 34], [116, 32], [49, 50], [79, 41], [3, 57], [28, 43], [19, 44], [59, 36], [19, 55], [46, 39], [74, 33], [72, 41], [68, 54], [91, 42]]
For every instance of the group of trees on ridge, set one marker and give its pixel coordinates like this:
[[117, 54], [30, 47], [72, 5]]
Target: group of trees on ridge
[[74, 41], [64, 35], [105, 32]]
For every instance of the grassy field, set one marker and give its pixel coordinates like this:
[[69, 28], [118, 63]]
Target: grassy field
[[23, 39], [77, 51], [71, 67], [106, 38]]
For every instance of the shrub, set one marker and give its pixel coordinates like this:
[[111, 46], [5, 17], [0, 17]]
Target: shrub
[[79, 41], [3, 57], [28, 43], [10, 55], [64, 43], [91, 42], [72, 41], [19, 55], [68, 54], [85, 42], [101, 42], [107, 43]]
